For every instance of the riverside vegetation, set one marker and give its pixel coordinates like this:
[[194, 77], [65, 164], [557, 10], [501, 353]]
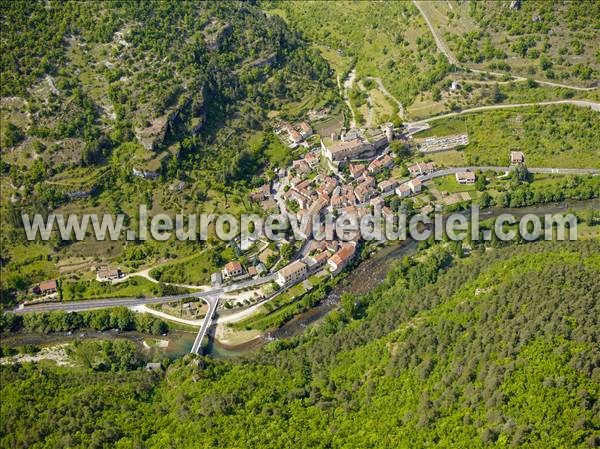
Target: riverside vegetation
[[491, 349], [483, 345]]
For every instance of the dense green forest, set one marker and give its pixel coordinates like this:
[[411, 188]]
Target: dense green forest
[[496, 349]]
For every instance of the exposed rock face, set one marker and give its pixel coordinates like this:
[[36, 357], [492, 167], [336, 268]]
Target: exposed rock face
[[215, 39], [154, 134]]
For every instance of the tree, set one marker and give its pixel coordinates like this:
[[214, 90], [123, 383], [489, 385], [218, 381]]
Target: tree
[[497, 95], [159, 327], [521, 174], [287, 250], [400, 149], [480, 182], [122, 318], [12, 135], [485, 200], [100, 320], [349, 303], [459, 253]]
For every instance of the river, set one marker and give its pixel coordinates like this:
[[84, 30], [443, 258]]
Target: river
[[366, 276], [369, 273]]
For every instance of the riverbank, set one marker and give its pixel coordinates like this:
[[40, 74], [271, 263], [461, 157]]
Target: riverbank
[[173, 345], [225, 342], [365, 277]]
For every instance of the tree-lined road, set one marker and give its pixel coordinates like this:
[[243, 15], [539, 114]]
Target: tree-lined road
[[77, 306], [418, 124]]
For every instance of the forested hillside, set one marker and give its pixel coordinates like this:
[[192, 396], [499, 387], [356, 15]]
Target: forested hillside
[[497, 349], [389, 40], [552, 40], [93, 90], [79, 79]]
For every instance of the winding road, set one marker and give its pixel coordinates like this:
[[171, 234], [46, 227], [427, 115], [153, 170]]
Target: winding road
[[446, 52], [580, 103], [385, 92], [146, 275], [348, 85]]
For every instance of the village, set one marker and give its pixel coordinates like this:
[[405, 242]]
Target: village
[[348, 173], [353, 172]]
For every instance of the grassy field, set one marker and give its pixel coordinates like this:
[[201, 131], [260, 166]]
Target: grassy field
[[445, 127], [550, 136], [278, 154], [450, 185], [193, 270], [132, 287], [332, 124], [452, 158], [27, 265], [339, 63]]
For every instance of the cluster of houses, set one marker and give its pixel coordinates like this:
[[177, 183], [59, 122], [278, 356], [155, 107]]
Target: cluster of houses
[[235, 271], [294, 135], [356, 144], [355, 194], [324, 193], [103, 274], [331, 254]]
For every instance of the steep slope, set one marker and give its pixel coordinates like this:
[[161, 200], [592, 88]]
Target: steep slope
[[99, 74], [388, 40], [175, 90], [496, 349], [556, 42]]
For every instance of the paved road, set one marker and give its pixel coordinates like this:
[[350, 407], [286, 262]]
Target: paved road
[[446, 52], [75, 306], [213, 302], [581, 103], [560, 171]]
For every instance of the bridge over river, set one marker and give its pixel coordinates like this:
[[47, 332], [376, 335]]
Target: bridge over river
[[211, 296]]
